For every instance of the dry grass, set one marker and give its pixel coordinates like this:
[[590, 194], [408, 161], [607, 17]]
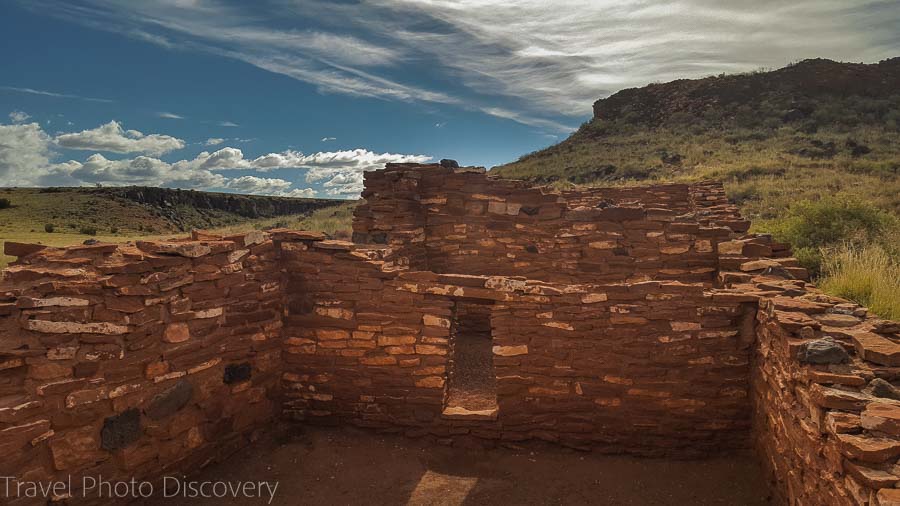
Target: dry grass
[[866, 275]]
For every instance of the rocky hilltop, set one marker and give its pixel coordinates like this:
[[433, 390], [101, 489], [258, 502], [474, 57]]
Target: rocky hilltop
[[797, 90]]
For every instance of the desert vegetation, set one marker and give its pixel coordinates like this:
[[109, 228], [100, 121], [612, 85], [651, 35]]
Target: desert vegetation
[[819, 170]]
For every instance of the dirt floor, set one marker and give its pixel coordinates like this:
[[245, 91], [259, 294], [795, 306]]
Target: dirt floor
[[321, 466]]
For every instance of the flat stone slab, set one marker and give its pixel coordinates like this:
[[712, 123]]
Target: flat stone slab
[[461, 413], [877, 349]]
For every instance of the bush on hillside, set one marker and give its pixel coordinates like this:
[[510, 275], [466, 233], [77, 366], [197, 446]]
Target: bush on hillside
[[5, 203], [89, 230], [813, 225], [49, 228]]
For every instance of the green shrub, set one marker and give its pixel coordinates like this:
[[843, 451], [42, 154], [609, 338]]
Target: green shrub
[[49, 228], [5, 203], [813, 225], [88, 230], [114, 230]]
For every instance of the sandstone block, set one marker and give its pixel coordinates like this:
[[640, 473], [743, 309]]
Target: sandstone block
[[76, 448], [50, 327], [881, 417], [877, 349], [170, 400], [868, 448], [510, 351], [430, 349], [176, 333]]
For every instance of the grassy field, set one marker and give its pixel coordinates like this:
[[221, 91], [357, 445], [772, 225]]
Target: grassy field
[[22, 226]]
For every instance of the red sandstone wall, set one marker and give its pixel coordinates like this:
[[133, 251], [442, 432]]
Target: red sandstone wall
[[826, 414], [127, 361], [826, 432], [651, 368], [460, 221]]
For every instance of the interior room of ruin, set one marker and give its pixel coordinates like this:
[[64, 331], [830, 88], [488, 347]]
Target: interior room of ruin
[[644, 321]]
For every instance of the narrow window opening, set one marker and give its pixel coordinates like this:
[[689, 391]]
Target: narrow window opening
[[472, 385]]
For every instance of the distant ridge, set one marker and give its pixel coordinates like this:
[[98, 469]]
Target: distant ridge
[[800, 86], [814, 113]]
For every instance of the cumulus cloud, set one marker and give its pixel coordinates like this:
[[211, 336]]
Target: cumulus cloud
[[18, 117], [340, 172], [214, 141], [259, 185], [111, 137], [27, 159], [299, 193], [328, 139], [22, 149]]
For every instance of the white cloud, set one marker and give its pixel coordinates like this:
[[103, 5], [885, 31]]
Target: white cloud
[[299, 193], [214, 141], [32, 91], [258, 185], [228, 124], [169, 115], [22, 149], [328, 139], [143, 170], [18, 117], [27, 154], [542, 64], [113, 138]]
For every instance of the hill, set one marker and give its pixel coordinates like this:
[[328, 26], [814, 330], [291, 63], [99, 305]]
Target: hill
[[810, 152], [61, 216]]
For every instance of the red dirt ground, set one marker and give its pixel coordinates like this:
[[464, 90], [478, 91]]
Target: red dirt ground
[[349, 466]]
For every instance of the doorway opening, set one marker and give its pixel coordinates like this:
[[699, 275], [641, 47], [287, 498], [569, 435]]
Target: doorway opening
[[472, 386]]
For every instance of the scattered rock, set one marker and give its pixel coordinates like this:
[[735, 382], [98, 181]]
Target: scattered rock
[[886, 327], [881, 388], [822, 351]]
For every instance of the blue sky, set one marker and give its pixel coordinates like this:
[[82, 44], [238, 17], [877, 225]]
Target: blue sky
[[300, 97]]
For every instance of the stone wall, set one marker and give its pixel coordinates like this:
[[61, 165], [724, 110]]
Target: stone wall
[[131, 361], [461, 221], [621, 320], [826, 413], [650, 368]]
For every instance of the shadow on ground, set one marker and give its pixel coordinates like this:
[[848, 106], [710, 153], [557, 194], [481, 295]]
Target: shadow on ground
[[350, 466]]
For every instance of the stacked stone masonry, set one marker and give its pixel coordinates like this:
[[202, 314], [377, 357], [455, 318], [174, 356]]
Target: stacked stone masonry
[[640, 320]]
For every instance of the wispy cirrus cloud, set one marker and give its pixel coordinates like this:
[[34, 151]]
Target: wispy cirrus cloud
[[169, 115], [535, 62], [32, 91]]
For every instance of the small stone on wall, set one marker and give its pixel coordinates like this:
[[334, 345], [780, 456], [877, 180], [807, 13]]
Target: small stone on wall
[[121, 430], [236, 373], [170, 401]]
